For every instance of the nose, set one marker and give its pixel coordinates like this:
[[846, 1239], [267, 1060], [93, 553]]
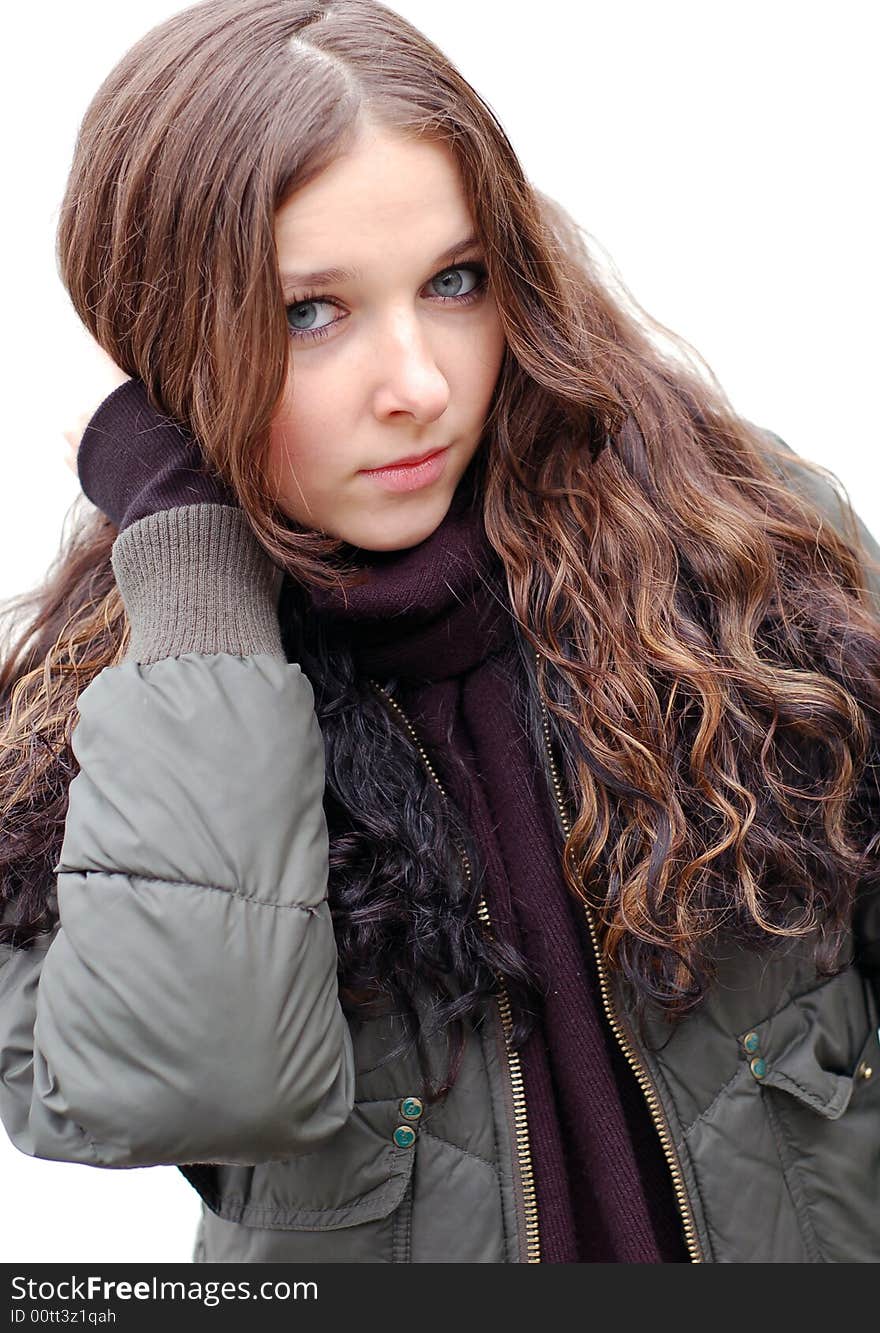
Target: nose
[[409, 376]]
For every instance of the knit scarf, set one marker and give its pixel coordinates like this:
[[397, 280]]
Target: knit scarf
[[435, 617]]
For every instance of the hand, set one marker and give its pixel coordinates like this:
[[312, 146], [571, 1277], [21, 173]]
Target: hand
[[108, 375]]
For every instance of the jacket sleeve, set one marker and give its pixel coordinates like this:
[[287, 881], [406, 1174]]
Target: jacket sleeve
[[186, 1008]]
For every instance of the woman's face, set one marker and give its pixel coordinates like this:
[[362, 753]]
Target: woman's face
[[410, 347]]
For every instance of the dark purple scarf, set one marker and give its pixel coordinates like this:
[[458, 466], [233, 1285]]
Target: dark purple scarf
[[434, 617]]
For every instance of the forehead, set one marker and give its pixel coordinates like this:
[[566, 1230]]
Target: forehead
[[388, 198]]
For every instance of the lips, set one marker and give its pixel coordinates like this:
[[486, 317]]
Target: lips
[[412, 461]]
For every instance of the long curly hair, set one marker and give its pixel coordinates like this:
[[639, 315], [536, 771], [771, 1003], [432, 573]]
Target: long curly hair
[[709, 646]]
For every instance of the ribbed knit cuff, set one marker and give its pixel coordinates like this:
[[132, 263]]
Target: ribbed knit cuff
[[196, 580]]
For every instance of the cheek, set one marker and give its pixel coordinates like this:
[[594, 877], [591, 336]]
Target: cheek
[[287, 461], [291, 430], [492, 344], [281, 444], [484, 365]]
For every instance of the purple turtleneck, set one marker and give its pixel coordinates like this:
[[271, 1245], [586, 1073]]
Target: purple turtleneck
[[435, 618]]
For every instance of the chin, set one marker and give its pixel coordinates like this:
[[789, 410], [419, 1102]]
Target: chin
[[397, 532]]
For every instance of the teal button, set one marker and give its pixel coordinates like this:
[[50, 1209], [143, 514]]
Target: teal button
[[751, 1041], [758, 1067], [411, 1108], [404, 1136]]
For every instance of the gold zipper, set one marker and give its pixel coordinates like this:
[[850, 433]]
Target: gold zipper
[[521, 1126], [643, 1078]]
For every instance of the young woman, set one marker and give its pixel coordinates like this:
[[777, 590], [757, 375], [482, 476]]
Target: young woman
[[470, 859]]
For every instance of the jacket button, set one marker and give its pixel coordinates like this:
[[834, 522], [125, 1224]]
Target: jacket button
[[404, 1136], [864, 1070], [751, 1041], [411, 1108], [758, 1067]]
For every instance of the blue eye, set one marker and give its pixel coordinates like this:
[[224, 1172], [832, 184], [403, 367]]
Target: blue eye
[[477, 270], [302, 307]]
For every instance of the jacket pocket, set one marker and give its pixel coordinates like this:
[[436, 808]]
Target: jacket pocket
[[801, 1067], [817, 1064], [346, 1202]]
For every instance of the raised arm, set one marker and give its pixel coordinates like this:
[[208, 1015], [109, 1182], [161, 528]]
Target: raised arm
[[186, 1008]]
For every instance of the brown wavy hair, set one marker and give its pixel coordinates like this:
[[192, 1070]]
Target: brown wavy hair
[[710, 653]]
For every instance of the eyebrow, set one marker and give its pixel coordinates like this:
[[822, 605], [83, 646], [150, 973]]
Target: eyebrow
[[328, 276]]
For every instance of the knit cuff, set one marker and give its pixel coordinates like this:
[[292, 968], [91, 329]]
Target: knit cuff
[[196, 580]]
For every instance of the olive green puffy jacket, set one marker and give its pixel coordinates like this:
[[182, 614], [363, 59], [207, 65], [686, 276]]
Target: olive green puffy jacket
[[186, 1009]]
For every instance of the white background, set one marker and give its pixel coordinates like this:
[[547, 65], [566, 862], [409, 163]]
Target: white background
[[723, 156]]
